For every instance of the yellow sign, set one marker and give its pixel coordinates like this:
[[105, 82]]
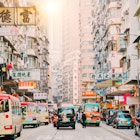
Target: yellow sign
[[7, 16], [26, 16]]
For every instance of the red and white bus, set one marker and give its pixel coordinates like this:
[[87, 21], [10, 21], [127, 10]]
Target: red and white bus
[[29, 114], [10, 116]]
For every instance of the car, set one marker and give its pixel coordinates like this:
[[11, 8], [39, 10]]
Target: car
[[66, 117], [123, 120], [137, 125], [116, 112]]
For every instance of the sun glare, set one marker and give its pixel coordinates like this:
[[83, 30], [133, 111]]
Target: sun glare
[[51, 6]]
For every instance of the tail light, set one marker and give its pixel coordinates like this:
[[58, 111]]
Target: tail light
[[34, 118], [8, 127], [6, 116]]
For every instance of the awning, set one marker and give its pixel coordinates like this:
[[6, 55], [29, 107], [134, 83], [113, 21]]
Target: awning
[[137, 39], [119, 92], [137, 12], [31, 52], [5, 39]]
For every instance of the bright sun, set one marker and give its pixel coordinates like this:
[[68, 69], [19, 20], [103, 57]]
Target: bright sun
[[51, 6]]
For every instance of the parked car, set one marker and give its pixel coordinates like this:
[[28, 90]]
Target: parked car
[[66, 117], [137, 125], [116, 112], [123, 120]]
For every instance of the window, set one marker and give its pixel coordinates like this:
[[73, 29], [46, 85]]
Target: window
[[84, 75]]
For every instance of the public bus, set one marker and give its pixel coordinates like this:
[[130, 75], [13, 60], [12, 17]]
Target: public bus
[[29, 114], [92, 111], [10, 116], [43, 113]]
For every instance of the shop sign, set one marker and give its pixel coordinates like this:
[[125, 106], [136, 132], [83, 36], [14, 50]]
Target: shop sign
[[27, 75], [89, 93], [24, 16], [26, 85], [109, 76], [39, 96]]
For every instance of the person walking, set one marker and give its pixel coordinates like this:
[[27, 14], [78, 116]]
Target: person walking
[[84, 120]]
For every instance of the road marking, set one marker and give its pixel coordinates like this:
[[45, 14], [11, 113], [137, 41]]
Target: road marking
[[119, 133]]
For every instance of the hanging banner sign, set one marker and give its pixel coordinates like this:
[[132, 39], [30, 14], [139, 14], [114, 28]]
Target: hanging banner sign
[[24, 16]]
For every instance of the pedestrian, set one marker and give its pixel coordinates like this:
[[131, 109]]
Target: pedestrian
[[83, 120]]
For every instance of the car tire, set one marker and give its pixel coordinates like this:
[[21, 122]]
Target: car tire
[[73, 127], [57, 127], [54, 125]]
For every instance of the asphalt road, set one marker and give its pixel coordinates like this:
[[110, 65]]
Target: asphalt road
[[103, 132]]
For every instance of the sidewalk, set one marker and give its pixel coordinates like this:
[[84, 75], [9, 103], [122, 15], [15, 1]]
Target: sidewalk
[[127, 133]]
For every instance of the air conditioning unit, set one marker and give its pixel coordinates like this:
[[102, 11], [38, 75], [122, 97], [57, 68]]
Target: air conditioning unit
[[122, 19], [119, 4], [126, 12]]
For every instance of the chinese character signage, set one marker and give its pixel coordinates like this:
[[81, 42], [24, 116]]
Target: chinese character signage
[[28, 75], [26, 85], [24, 16], [39, 96], [107, 76], [7, 16]]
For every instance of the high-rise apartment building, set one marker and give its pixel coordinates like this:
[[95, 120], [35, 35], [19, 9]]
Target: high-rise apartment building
[[86, 20]]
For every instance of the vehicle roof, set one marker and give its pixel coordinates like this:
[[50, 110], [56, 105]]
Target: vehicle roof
[[95, 104], [8, 96]]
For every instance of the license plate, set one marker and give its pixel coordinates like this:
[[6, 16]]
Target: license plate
[[125, 122], [23, 119], [65, 120]]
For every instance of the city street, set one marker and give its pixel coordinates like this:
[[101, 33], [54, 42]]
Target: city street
[[103, 132]]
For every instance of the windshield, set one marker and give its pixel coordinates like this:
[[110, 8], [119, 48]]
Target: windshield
[[42, 108], [4, 105], [124, 116], [91, 108], [65, 111]]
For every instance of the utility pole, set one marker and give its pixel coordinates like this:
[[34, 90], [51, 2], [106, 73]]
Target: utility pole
[[138, 91]]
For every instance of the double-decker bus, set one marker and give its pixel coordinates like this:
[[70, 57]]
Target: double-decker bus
[[10, 116], [29, 114], [92, 111], [43, 113]]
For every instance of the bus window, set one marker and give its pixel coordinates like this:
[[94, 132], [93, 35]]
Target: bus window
[[4, 106], [23, 109]]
